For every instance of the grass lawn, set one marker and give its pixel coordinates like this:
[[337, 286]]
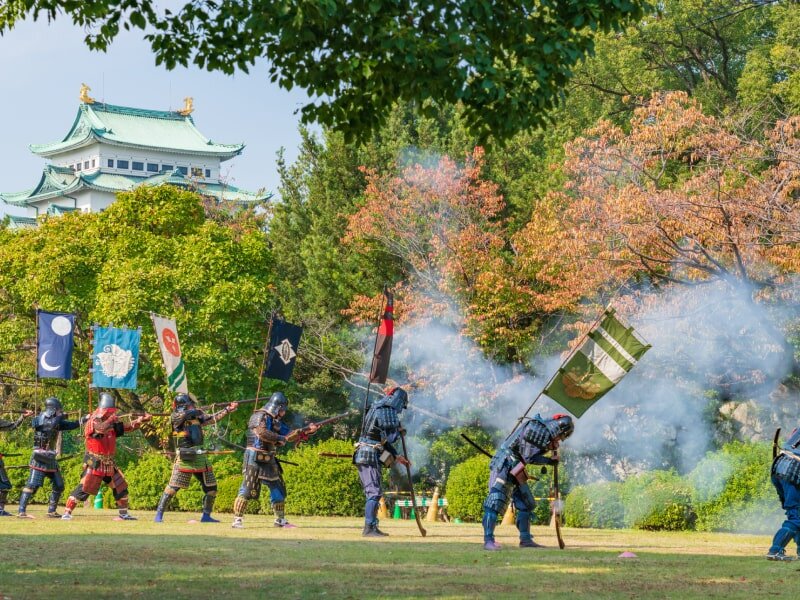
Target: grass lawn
[[95, 557]]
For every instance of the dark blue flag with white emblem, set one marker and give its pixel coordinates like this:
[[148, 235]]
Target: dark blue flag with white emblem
[[283, 342], [54, 342]]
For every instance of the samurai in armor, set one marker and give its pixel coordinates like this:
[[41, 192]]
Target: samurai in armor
[[265, 434], [46, 427], [191, 460], [103, 427], [508, 478], [786, 479], [374, 450], [5, 482]]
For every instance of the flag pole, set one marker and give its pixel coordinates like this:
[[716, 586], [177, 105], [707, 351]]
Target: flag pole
[[374, 348], [38, 391], [264, 359], [572, 352], [91, 367]]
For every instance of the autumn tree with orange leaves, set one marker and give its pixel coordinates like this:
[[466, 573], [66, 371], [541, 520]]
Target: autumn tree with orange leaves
[[444, 222], [679, 198]]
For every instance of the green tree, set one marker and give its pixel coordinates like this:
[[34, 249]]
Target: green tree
[[155, 250], [508, 63]]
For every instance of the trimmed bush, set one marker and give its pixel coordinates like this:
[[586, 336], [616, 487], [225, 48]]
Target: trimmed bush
[[227, 490], [320, 486], [597, 505], [467, 487], [578, 507], [732, 489], [147, 478], [658, 501]]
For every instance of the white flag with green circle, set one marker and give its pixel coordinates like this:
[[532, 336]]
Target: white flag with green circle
[[611, 349], [167, 335]]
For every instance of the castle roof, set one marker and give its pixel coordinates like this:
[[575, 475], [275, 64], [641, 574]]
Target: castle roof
[[139, 128], [58, 182]]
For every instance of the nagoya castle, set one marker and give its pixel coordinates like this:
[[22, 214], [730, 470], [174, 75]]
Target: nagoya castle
[[111, 149]]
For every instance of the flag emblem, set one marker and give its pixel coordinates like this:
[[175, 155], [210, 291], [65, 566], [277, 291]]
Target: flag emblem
[[611, 349], [115, 361], [285, 351]]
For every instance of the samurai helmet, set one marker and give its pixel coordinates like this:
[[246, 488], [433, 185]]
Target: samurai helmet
[[276, 403], [51, 406], [397, 398], [107, 401], [561, 425], [183, 400]]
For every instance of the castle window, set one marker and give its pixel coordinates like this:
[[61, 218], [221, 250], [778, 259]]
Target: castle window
[[86, 165], [110, 162], [93, 163], [122, 164], [208, 172], [152, 167], [78, 166], [137, 166], [166, 168], [197, 172], [183, 170]]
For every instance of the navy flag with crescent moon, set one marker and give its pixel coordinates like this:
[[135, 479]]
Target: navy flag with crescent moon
[[54, 345]]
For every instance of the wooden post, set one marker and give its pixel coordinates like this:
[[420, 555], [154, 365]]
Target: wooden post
[[508, 518], [383, 512], [433, 510], [264, 360]]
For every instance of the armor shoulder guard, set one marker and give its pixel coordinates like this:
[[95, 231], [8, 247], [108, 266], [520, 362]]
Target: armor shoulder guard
[[255, 419], [386, 418], [537, 434], [792, 445]]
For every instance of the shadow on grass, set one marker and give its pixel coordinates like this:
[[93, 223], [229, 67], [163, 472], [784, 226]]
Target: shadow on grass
[[67, 565]]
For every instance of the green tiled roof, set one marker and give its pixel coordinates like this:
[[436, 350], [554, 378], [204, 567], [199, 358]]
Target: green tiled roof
[[56, 209], [220, 191], [136, 128], [22, 221], [57, 182]]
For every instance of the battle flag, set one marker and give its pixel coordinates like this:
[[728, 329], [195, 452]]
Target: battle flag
[[54, 343], [284, 340], [383, 343], [611, 349], [115, 359], [167, 335]]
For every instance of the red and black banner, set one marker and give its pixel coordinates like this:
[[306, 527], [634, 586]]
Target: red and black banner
[[383, 344]]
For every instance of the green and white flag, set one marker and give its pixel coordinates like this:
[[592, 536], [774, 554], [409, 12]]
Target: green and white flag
[[611, 349], [167, 335]]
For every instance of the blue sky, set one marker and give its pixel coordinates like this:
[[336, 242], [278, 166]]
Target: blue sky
[[43, 65]]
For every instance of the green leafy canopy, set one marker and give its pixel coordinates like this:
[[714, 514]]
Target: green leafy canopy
[[507, 62]]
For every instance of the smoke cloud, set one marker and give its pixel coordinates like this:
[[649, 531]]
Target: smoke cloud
[[713, 348]]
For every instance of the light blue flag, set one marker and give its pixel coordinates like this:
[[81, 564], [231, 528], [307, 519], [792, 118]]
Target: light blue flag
[[116, 357]]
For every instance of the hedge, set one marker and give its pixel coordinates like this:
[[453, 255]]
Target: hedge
[[597, 505], [659, 501], [467, 487], [320, 486], [733, 492]]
